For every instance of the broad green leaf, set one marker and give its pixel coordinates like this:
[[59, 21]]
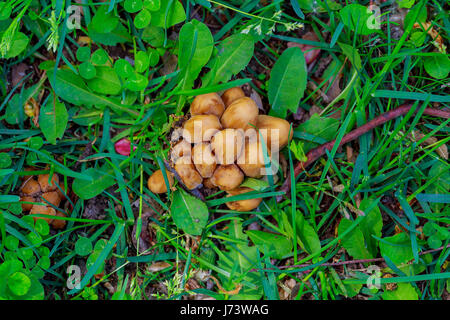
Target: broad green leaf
[[154, 36], [118, 35], [133, 6], [354, 241], [287, 82], [238, 260], [104, 21], [196, 45], [437, 66], [53, 119], [87, 70], [123, 68], [71, 88], [142, 19], [358, 18], [106, 81], [141, 61], [371, 225], [255, 184], [83, 54], [234, 53], [18, 44], [309, 240], [189, 213], [352, 54], [397, 248], [19, 283], [101, 180], [323, 128], [404, 291], [5, 160], [83, 246], [100, 58], [274, 245], [167, 16]]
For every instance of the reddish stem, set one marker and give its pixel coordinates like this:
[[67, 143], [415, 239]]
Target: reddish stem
[[316, 153]]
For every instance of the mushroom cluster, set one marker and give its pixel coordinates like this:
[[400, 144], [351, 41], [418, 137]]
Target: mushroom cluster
[[42, 191], [221, 144]]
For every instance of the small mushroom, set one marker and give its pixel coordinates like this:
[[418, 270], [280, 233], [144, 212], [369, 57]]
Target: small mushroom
[[204, 160], [227, 145], [156, 182], [53, 197], [251, 159], [231, 95], [209, 103], [227, 177], [40, 209], [190, 177], [242, 205], [201, 128], [31, 187], [43, 180], [58, 223], [241, 114], [181, 150], [27, 206], [275, 131]]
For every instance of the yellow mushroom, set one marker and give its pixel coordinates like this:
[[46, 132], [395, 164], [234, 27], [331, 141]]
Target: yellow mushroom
[[201, 128], [227, 177], [209, 103], [227, 145], [231, 95], [188, 174], [156, 182], [240, 114], [204, 160], [242, 205], [275, 131]]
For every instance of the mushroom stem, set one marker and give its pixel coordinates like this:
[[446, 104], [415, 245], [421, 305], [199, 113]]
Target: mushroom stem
[[316, 153]]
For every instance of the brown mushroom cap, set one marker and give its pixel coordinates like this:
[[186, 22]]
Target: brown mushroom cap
[[201, 128], [209, 103], [39, 209], [31, 187], [27, 206], [271, 128], [43, 180], [204, 159], [241, 114], [156, 182], [231, 95], [57, 223], [181, 150], [227, 145], [251, 160], [242, 205], [190, 177], [53, 197], [227, 177]]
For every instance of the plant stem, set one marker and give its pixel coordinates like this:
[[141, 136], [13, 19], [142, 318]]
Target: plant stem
[[316, 153]]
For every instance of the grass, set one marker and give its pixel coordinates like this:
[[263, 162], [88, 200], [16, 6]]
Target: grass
[[391, 184]]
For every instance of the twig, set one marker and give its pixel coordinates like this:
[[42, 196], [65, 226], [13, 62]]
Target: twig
[[342, 263], [316, 153]]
